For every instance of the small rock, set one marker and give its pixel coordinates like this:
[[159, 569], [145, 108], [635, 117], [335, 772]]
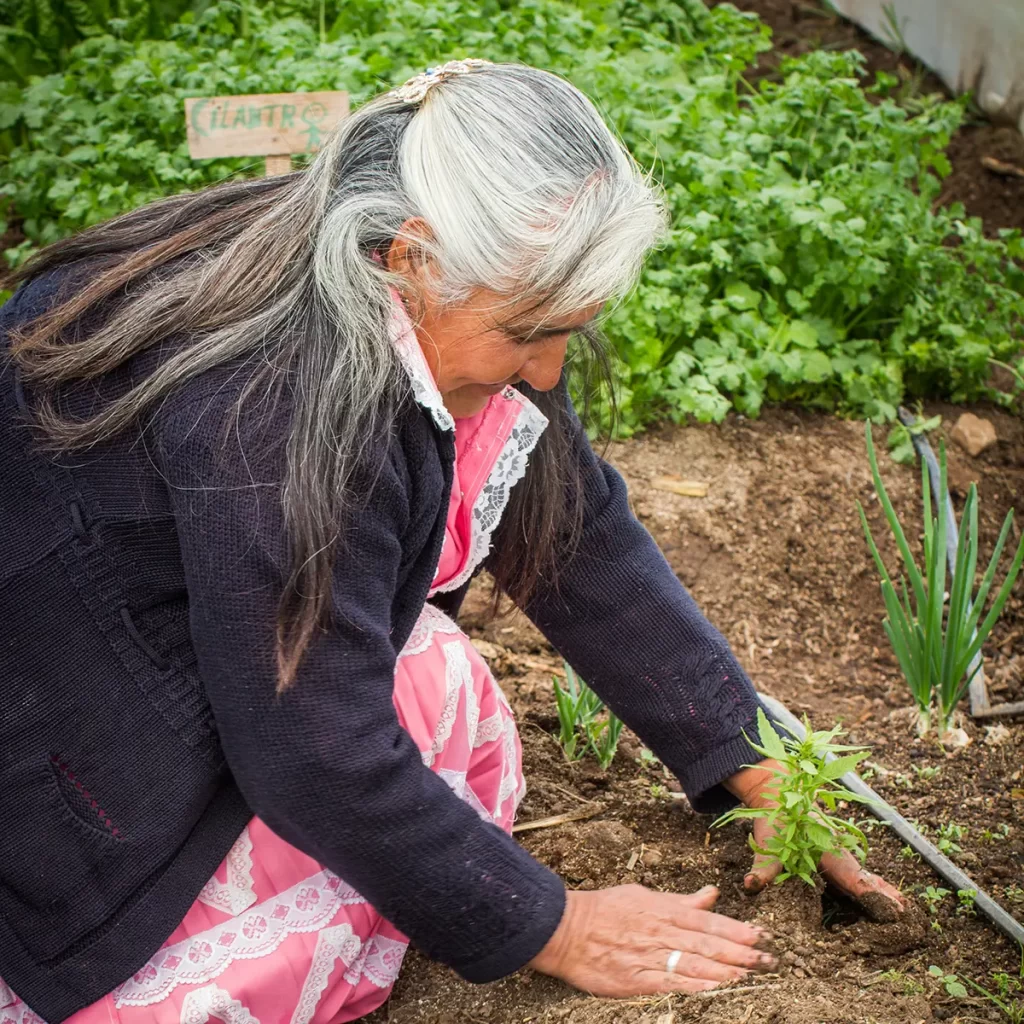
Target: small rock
[[652, 858], [789, 957], [803, 951], [488, 650], [997, 735], [973, 434], [667, 1018], [800, 972]]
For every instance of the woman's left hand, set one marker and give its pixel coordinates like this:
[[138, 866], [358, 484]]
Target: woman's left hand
[[842, 869]]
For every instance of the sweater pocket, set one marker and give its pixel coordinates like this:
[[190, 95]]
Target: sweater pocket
[[98, 791]]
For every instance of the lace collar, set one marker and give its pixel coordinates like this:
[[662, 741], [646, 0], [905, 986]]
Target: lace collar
[[424, 388]]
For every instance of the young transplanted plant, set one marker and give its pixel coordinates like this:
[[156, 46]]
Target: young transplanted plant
[[935, 647], [804, 820], [580, 718]]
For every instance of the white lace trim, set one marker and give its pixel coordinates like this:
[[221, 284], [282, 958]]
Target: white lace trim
[[378, 962], [489, 729], [236, 893], [204, 1003], [458, 783], [507, 471], [431, 620], [332, 945], [424, 387], [510, 776], [306, 907], [6, 995]]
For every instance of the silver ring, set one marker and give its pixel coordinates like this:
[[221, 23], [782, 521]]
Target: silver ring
[[673, 960]]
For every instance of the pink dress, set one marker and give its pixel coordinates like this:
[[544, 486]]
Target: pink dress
[[275, 937]]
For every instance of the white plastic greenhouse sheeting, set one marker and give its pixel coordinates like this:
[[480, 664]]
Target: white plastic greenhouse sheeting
[[974, 45]]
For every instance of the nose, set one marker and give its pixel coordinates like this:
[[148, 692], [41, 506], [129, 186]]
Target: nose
[[544, 367]]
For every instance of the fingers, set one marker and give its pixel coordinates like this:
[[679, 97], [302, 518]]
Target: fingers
[[716, 926], [846, 873]]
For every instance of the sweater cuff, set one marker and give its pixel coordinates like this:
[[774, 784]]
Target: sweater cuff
[[516, 953], [702, 780]]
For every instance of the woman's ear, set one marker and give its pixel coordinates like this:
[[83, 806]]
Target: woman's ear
[[409, 255]]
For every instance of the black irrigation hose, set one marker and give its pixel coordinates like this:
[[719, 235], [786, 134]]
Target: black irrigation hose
[[937, 861]]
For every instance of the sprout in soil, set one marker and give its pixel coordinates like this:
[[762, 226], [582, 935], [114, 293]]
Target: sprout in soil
[[805, 826], [580, 718], [935, 646]]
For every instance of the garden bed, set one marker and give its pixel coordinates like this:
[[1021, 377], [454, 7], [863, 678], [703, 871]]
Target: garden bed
[[775, 557], [799, 26]]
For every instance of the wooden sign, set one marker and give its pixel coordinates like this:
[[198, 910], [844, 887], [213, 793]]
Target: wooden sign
[[273, 125]]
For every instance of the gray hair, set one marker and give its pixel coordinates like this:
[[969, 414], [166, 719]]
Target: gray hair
[[526, 192]]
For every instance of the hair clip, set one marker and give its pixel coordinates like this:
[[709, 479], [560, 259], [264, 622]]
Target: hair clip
[[417, 88]]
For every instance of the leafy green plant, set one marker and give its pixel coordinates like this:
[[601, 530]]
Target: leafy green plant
[[807, 260], [935, 647], [949, 982], [965, 902], [582, 716], [901, 438], [933, 895], [805, 825], [948, 839]]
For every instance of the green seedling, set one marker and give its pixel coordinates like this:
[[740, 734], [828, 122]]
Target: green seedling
[[927, 773], [965, 899], [933, 896], [804, 823], [950, 982], [949, 834], [582, 716], [901, 438], [1013, 894], [935, 647]]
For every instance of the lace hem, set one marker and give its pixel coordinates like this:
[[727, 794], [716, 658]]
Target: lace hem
[[236, 893], [509, 468], [332, 945], [306, 907], [199, 1006]]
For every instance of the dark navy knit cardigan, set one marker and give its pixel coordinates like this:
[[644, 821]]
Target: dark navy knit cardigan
[[139, 727]]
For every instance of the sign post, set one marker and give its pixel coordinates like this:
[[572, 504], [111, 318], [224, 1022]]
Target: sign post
[[272, 125]]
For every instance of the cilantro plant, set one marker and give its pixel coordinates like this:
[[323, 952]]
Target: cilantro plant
[[935, 645], [584, 722], [807, 260], [804, 821]]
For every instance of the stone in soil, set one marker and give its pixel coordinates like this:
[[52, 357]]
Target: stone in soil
[[973, 434]]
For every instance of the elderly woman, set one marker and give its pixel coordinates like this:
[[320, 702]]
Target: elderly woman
[[255, 443]]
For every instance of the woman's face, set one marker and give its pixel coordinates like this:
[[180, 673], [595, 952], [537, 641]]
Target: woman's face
[[482, 345]]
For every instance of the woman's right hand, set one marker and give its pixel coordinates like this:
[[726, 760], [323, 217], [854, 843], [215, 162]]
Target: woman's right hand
[[616, 942]]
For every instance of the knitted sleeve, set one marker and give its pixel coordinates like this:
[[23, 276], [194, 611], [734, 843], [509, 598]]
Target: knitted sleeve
[[326, 764], [622, 619]]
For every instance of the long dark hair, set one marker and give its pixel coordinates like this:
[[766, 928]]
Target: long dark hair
[[282, 269]]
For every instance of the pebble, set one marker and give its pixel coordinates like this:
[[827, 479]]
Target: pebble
[[652, 858], [973, 434], [800, 972]]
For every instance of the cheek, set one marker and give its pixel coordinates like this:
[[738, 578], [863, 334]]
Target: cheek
[[491, 363]]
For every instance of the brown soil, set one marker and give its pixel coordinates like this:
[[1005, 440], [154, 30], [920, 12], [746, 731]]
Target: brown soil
[[802, 25], [775, 557]]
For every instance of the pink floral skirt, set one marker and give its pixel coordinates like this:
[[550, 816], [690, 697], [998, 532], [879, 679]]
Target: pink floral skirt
[[276, 938]]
